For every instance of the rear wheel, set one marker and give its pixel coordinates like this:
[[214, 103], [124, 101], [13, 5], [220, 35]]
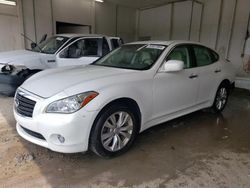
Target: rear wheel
[[221, 98], [114, 131]]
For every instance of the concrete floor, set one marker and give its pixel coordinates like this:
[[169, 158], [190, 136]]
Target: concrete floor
[[198, 150]]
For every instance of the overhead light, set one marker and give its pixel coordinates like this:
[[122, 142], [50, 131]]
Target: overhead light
[[101, 1], [5, 2]]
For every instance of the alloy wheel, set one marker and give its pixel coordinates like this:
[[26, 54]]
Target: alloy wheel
[[221, 98], [117, 131]]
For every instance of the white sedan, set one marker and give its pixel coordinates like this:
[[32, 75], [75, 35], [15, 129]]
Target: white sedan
[[103, 107]]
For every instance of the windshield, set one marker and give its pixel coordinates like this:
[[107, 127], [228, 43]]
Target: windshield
[[133, 56], [51, 45]]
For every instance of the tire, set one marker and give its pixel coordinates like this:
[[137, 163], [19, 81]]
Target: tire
[[221, 98], [107, 138]]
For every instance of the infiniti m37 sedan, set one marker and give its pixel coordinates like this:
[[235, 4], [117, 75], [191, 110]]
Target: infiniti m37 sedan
[[104, 106]]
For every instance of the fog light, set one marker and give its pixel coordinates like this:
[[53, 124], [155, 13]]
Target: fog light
[[61, 138]]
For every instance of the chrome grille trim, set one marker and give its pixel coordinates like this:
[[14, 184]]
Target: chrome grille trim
[[24, 105]]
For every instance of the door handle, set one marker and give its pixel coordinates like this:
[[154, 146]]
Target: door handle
[[192, 76], [217, 71]]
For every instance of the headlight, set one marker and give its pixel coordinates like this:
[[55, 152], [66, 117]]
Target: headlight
[[71, 104]]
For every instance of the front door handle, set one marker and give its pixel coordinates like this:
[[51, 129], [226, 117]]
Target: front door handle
[[192, 76], [217, 71]]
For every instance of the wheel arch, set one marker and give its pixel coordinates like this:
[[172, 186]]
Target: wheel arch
[[128, 102], [225, 81]]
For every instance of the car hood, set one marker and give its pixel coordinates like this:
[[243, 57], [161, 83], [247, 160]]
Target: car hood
[[14, 57], [51, 82]]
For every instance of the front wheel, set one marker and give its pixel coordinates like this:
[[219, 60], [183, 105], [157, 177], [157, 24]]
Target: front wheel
[[114, 131], [221, 98]]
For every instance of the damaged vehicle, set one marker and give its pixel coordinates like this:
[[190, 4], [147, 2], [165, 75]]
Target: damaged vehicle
[[58, 51]]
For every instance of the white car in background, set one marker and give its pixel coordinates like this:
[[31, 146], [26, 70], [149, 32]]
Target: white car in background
[[58, 51], [103, 106]]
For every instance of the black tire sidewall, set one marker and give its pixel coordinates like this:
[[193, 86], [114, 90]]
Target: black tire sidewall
[[95, 137]]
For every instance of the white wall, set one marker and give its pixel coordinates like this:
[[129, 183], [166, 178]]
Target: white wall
[[126, 23], [210, 23], [37, 19], [222, 25], [10, 38], [196, 22], [43, 16], [73, 11], [228, 37], [105, 18], [181, 20], [40, 17], [115, 20], [171, 21], [155, 23]]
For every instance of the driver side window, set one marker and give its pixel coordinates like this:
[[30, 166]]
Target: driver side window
[[181, 53], [81, 48]]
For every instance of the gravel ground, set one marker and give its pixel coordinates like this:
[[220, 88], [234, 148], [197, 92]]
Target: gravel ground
[[198, 150]]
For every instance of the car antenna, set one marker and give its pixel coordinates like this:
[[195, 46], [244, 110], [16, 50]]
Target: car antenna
[[31, 41]]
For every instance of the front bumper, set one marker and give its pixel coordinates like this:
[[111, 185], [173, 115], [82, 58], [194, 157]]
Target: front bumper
[[44, 129]]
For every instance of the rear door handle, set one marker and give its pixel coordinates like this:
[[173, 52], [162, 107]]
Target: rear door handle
[[217, 71], [192, 76]]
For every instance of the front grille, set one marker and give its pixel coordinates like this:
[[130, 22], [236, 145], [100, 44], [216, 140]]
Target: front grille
[[24, 106], [34, 134]]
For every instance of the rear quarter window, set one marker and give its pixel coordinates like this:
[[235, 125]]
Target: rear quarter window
[[215, 56], [204, 56]]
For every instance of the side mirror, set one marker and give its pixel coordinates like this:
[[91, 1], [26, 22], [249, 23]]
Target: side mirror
[[33, 45], [172, 66]]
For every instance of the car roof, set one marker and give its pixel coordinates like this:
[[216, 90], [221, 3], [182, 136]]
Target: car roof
[[71, 35], [167, 43]]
